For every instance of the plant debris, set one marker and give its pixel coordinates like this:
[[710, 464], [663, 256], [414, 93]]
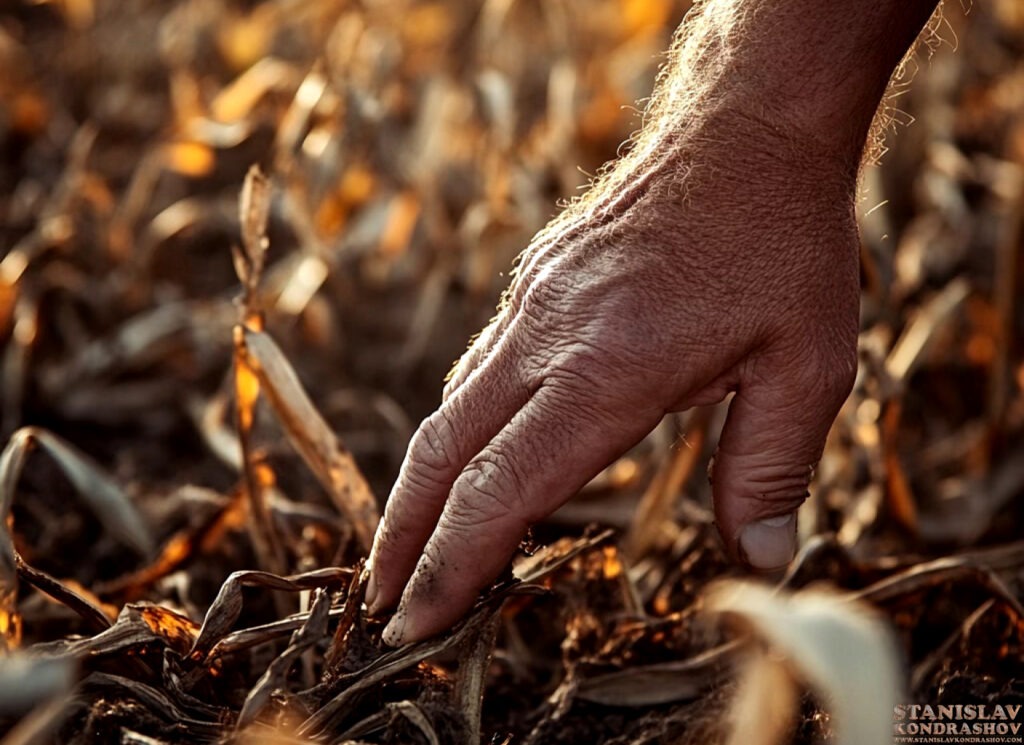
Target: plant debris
[[240, 245]]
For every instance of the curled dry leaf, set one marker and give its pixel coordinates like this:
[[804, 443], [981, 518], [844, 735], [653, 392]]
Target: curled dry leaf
[[406, 657], [408, 709], [178, 722], [305, 637], [139, 625], [81, 603], [99, 491], [228, 605], [842, 649], [415, 149], [101, 494]]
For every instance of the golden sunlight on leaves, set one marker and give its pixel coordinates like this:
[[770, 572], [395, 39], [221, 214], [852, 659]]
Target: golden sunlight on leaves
[[356, 187], [235, 102], [10, 629], [612, 564], [210, 373], [247, 390], [190, 159], [244, 38], [333, 466], [402, 216], [178, 630]]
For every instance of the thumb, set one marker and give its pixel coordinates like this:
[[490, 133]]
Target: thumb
[[773, 437]]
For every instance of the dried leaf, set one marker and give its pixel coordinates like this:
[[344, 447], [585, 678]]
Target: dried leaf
[[177, 719], [12, 460], [379, 720], [841, 648], [178, 548], [253, 214], [418, 719], [655, 510], [295, 122], [333, 466], [978, 567], [105, 498], [100, 493], [908, 351], [228, 604], [138, 626], [652, 685], [236, 100], [405, 657], [88, 608], [473, 665], [305, 278], [311, 633], [266, 540], [242, 639]]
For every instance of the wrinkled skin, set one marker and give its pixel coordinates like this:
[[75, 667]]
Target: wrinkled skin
[[682, 278]]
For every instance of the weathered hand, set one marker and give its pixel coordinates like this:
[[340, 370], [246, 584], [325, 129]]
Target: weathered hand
[[722, 259]]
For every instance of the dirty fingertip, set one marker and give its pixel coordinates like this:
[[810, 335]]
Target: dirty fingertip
[[394, 632]]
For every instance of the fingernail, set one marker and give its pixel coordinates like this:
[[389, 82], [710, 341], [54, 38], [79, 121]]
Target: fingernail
[[770, 543], [372, 590], [395, 629]]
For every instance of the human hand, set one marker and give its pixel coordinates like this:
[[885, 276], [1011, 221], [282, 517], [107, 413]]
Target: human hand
[[722, 259]]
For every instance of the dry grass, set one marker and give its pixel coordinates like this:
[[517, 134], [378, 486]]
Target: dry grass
[[181, 558]]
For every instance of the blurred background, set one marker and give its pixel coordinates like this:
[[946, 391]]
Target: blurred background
[[414, 148]]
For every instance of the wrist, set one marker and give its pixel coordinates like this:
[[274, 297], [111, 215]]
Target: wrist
[[815, 67]]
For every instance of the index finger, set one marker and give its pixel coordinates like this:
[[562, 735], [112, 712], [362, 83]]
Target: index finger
[[444, 443]]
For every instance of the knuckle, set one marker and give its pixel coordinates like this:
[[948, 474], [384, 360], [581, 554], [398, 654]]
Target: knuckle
[[524, 275], [589, 382], [544, 295], [529, 267], [489, 488], [432, 448], [572, 373], [771, 478]]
